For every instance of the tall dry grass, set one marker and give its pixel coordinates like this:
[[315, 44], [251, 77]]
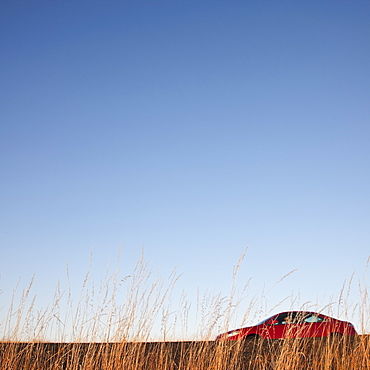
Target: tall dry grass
[[293, 354], [106, 330]]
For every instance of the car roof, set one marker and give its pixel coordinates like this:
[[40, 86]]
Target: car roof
[[303, 313]]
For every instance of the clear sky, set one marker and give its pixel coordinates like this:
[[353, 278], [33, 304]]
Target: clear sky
[[192, 130]]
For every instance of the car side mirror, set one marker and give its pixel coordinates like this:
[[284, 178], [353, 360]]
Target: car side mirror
[[274, 322]]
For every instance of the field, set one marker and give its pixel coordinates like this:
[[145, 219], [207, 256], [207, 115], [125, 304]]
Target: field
[[97, 332], [288, 354]]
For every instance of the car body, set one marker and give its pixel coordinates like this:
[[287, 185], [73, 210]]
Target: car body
[[292, 324]]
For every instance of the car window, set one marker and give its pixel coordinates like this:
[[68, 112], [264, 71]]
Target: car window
[[285, 318], [313, 318], [298, 317], [301, 317], [292, 318]]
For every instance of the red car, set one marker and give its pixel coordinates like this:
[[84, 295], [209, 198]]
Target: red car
[[293, 324]]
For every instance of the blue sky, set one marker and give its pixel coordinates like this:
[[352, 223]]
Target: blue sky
[[189, 129]]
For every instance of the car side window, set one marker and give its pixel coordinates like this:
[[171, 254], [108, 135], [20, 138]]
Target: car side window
[[299, 317], [313, 318], [282, 319]]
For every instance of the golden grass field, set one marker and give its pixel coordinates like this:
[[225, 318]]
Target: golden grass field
[[287, 354], [99, 331]]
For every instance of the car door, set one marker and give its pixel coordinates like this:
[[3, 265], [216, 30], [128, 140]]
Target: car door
[[311, 326], [292, 321]]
